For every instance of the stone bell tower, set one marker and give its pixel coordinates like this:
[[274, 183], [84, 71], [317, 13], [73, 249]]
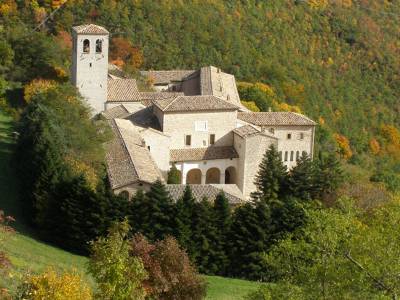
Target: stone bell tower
[[90, 64]]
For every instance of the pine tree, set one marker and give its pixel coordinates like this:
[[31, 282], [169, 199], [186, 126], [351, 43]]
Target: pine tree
[[330, 174], [158, 213], [185, 207], [174, 176], [271, 177], [248, 239], [302, 179], [222, 220], [203, 233]]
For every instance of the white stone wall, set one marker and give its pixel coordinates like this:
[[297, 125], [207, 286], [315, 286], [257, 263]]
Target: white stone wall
[[251, 151], [295, 144], [204, 166], [90, 70], [178, 125], [159, 149]]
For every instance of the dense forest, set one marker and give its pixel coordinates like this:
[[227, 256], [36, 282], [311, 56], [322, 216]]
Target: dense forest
[[336, 61]]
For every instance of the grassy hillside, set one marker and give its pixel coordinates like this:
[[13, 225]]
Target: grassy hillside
[[29, 254]]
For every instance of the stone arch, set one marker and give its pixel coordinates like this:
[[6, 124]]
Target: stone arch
[[124, 194], [99, 46], [230, 175], [213, 175], [193, 176], [86, 46]]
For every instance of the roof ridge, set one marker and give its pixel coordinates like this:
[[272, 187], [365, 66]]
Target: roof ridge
[[169, 104]]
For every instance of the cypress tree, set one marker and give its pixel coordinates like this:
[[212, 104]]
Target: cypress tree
[[248, 240], [158, 212], [302, 179], [136, 212], [271, 177], [185, 207], [174, 176], [203, 233], [222, 221], [330, 174]]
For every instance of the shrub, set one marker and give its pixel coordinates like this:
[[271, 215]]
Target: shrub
[[53, 286], [118, 275], [171, 275]]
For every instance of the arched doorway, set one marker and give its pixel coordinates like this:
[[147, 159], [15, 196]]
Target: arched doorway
[[193, 176], [124, 194], [230, 175], [213, 175]]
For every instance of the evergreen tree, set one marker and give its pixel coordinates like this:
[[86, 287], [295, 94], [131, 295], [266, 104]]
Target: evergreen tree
[[158, 213], [174, 176], [136, 212], [185, 207], [271, 177], [203, 233], [248, 240], [302, 179], [330, 174], [222, 222]]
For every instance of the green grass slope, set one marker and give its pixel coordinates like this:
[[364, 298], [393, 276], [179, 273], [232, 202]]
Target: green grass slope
[[29, 254]]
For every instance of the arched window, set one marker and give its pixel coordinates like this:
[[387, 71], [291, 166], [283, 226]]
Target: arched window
[[286, 156], [291, 155], [99, 46], [86, 46], [297, 155]]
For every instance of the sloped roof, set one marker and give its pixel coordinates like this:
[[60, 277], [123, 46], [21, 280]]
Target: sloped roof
[[275, 118], [196, 154], [159, 95], [194, 103], [119, 111], [127, 160], [246, 130], [166, 76], [209, 191], [122, 90], [90, 29]]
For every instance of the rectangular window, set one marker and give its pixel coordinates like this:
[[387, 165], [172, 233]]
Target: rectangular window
[[286, 156], [188, 140], [212, 139], [301, 136], [289, 136], [281, 155], [272, 130], [201, 126], [291, 155]]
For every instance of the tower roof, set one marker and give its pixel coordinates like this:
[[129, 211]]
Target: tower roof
[[89, 29]]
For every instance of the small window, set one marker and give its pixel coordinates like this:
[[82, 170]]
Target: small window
[[286, 156], [297, 155], [148, 147], [291, 155], [99, 46], [86, 46], [281, 155], [212, 139], [289, 136], [201, 126], [188, 140], [90, 64], [301, 136], [124, 194], [271, 130]]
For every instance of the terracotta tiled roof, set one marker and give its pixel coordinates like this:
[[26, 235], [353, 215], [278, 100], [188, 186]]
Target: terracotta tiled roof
[[126, 159], [194, 103], [246, 130], [167, 76], [119, 111], [274, 118], [159, 95], [90, 29], [209, 191], [196, 154], [122, 90]]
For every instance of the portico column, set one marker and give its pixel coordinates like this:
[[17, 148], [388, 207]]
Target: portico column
[[222, 177], [183, 173], [203, 178]]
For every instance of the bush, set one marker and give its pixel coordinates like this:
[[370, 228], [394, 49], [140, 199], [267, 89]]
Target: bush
[[171, 275], [53, 286]]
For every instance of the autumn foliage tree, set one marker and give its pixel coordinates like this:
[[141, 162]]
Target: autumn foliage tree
[[124, 54]]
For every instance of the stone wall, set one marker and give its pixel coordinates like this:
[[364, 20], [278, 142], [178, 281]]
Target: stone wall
[[220, 123]]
